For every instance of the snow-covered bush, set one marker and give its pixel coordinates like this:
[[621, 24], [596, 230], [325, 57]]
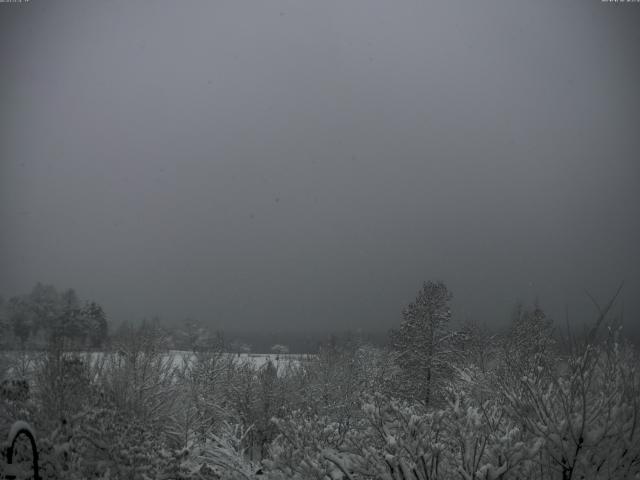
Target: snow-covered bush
[[586, 413], [394, 439], [62, 382]]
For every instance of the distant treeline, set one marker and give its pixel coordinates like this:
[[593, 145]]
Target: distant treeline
[[31, 320]]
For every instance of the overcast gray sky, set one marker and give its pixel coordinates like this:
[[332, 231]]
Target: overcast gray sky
[[307, 164]]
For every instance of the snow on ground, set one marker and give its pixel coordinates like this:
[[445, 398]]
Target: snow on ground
[[21, 363]]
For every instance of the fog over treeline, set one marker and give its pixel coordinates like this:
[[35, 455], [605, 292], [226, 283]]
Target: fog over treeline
[[304, 167]]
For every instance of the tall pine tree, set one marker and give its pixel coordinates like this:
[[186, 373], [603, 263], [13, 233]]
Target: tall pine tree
[[421, 342]]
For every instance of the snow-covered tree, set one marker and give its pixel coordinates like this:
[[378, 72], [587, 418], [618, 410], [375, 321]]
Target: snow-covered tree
[[279, 349], [530, 334], [96, 322], [422, 342], [59, 315]]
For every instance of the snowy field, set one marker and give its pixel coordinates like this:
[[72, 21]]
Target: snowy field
[[257, 360], [18, 364]]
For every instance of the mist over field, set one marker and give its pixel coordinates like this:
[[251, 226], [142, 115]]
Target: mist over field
[[319, 239]]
